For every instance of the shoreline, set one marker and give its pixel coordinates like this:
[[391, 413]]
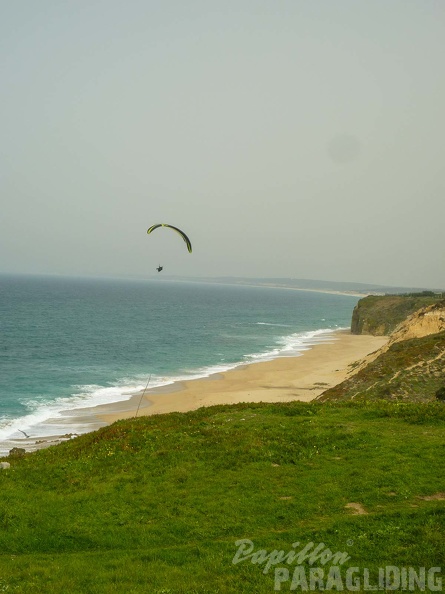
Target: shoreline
[[345, 292], [326, 291], [303, 377]]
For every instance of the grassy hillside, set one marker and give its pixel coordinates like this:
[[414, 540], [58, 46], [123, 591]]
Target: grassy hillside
[[409, 370], [156, 504], [379, 315]]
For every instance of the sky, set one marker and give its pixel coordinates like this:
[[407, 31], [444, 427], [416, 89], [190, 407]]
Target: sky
[[287, 138]]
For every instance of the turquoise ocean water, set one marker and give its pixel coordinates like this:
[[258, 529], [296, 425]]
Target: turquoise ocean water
[[69, 343]]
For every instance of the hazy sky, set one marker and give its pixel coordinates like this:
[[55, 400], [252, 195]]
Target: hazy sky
[[288, 138]]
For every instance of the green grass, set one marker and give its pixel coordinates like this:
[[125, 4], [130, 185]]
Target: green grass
[[156, 504]]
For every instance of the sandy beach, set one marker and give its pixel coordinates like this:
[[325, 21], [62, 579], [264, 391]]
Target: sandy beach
[[284, 379], [281, 380]]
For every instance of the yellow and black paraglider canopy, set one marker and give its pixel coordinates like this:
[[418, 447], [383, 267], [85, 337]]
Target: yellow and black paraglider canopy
[[181, 233]]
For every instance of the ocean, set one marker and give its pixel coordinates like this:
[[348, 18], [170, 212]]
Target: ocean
[[69, 343]]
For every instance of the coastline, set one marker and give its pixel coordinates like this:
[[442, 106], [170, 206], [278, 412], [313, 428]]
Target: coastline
[[303, 377], [326, 291], [271, 285]]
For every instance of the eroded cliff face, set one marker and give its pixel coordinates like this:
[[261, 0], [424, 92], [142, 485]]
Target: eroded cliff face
[[428, 320], [410, 366], [425, 321], [380, 315]]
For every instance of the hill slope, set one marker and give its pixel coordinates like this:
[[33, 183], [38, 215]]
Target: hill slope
[[409, 370], [157, 504], [410, 366]]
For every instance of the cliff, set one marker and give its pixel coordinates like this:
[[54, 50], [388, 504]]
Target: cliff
[[410, 366], [380, 315]]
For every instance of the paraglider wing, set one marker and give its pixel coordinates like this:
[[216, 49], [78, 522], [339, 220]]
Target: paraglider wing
[[181, 233]]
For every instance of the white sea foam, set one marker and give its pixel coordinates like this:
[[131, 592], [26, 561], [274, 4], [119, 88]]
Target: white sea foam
[[271, 324], [67, 415], [294, 344]]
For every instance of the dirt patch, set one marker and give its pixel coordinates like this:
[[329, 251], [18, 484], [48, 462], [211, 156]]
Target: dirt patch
[[436, 496], [356, 508]]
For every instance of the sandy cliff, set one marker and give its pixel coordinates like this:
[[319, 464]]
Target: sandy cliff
[[424, 322]]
